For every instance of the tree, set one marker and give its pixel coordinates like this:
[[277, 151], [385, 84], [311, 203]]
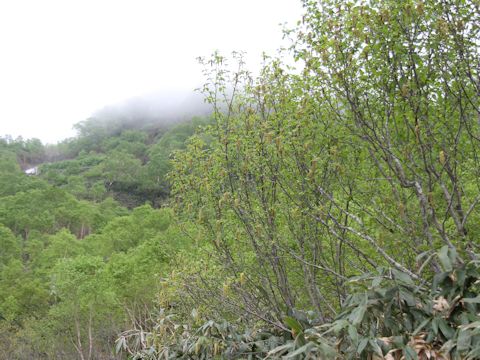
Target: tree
[[368, 158], [10, 246], [83, 302]]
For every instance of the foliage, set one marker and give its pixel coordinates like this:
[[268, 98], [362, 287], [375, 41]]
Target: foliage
[[388, 315], [327, 210], [128, 163], [77, 267], [309, 179], [27, 152], [169, 340]]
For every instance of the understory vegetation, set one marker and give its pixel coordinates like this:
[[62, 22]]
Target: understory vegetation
[[324, 210]]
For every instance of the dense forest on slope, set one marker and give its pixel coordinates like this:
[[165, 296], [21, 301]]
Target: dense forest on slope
[[83, 243], [324, 211]]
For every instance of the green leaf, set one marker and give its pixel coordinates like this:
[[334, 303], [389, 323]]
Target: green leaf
[[300, 340], [327, 351], [473, 325], [435, 324], [356, 316], [421, 326], [337, 326], [281, 349], [401, 276], [445, 259], [293, 324], [464, 340], [438, 279], [363, 344], [409, 353], [302, 350], [352, 332], [408, 297], [376, 348], [447, 331], [475, 300], [376, 281]]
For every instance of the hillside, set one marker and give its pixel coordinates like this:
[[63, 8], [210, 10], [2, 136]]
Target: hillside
[[76, 212], [324, 211]]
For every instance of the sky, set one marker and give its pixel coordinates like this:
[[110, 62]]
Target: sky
[[62, 60]]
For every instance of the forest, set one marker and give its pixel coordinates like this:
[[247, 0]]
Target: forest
[[327, 208]]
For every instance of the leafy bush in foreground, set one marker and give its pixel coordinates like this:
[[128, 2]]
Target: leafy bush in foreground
[[388, 315]]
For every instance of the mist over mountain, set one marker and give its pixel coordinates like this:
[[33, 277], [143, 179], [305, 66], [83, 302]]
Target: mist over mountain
[[162, 107], [155, 109]]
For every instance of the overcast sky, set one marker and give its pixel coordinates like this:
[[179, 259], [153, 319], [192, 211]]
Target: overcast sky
[[61, 60]]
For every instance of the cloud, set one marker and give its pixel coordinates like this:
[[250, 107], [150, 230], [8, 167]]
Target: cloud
[[63, 60]]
